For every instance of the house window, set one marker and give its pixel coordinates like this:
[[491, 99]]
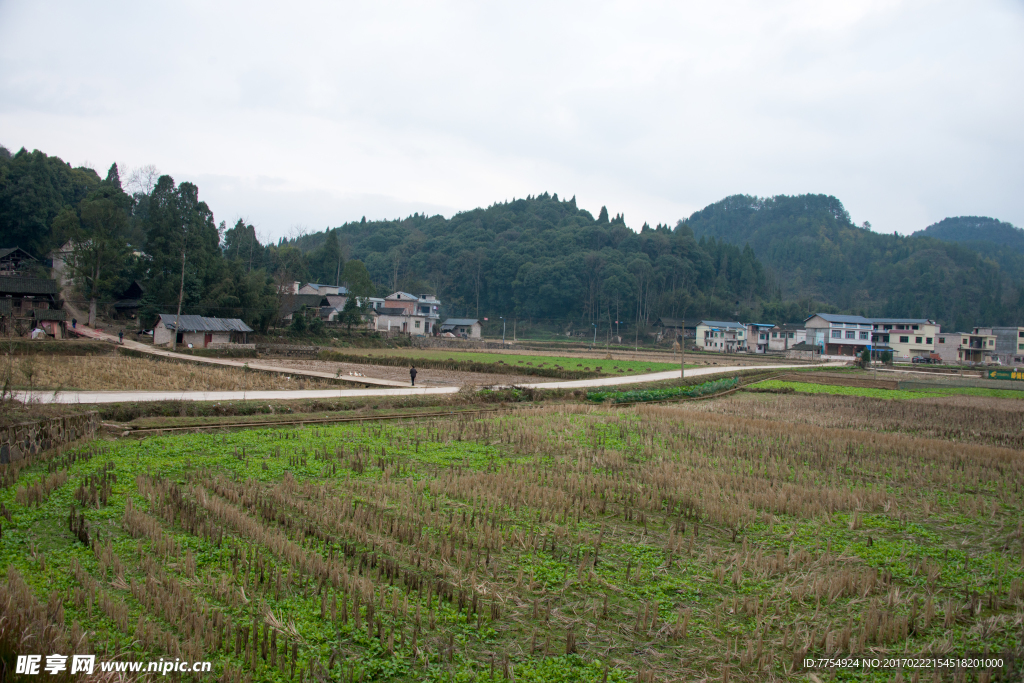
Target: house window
[[1020, 347], [917, 340], [837, 334], [417, 324], [863, 335], [928, 341], [904, 340], [942, 340], [1021, 335], [914, 327], [791, 335], [851, 334]]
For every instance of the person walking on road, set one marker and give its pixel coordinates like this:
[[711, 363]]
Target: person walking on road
[[412, 375], [74, 323], [120, 337]]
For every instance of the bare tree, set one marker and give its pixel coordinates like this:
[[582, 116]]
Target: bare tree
[[142, 180]]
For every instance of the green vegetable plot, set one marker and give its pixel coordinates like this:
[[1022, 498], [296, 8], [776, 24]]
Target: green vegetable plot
[[663, 394]]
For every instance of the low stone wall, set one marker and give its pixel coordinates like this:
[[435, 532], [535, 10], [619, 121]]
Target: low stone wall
[[230, 346], [463, 344], [287, 351], [29, 438]]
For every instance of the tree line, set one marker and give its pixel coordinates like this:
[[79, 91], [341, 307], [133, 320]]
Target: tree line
[[539, 258]]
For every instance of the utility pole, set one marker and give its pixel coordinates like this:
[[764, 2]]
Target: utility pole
[[502, 331], [682, 353], [181, 290]]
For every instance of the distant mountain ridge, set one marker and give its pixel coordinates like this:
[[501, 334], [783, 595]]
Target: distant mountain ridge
[[970, 229], [813, 249], [992, 238]]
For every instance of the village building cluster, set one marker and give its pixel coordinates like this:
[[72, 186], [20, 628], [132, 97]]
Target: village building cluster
[[837, 337], [32, 305]]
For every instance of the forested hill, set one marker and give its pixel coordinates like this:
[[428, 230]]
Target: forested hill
[[976, 229], [814, 249], [544, 258], [541, 258], [992, 238]]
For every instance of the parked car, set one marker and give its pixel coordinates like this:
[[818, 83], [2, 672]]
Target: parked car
[[920, 359]]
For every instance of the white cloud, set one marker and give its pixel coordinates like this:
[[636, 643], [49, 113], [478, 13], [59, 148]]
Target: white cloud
[[907, 111]]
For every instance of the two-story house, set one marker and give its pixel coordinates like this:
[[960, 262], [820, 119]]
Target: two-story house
[[905, 337], [758, 337], [421, 313], [966, 347], [720, 336], [1009, 346], [782, 338], [838, 335]]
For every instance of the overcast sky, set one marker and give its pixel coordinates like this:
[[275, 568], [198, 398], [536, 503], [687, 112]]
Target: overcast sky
[[312, 114]]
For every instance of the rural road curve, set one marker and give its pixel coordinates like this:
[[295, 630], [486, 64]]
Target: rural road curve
[[91, 397], [234, 362]]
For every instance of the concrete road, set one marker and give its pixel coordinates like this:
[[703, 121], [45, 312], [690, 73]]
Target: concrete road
[[92, 397], [234, 362], [662, 376]]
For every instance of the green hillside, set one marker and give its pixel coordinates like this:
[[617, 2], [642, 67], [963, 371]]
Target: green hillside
[[815, 250], [991, 238], [539, 258]]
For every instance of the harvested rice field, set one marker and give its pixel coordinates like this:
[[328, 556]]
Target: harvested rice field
[[605, 364], [127, 373], [737, 539], [427, 377]]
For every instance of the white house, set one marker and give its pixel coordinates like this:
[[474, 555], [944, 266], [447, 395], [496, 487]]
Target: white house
[[469, 327], [725, 337], [198, 331], [401, 320]]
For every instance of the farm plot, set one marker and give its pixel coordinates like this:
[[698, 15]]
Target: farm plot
[[127, 373], [523, 362], [569, 543], [893, 394]]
